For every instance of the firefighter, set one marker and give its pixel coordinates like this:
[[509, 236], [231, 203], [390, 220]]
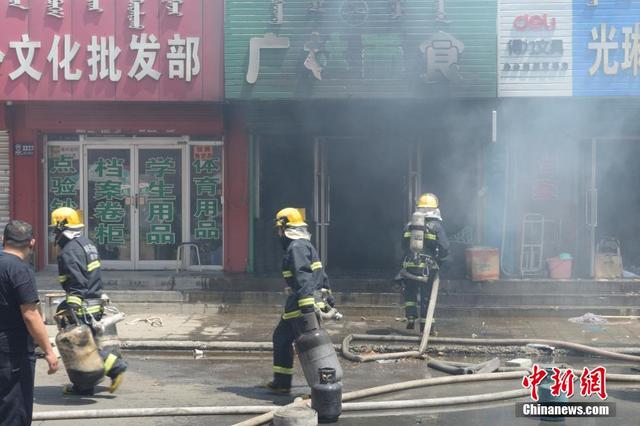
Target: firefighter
[[79, 274], [436, 249], [305, 278]]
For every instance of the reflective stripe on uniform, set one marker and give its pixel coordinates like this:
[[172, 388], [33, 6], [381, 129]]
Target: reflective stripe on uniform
[[62, 278], [410, 304], [292, 314], [90, 310], [109, 362], [287, 274], [316, 265], [431, 237], [321, 305], [282, 370], [93, 265], [414, 265], [307, 301], [407, 234], [75, 300]]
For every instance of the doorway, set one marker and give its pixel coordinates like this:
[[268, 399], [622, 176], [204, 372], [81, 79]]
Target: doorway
[[142, 198], [360, 204]]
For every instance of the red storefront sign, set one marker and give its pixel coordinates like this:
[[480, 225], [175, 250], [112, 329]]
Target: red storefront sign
[[124, 50]]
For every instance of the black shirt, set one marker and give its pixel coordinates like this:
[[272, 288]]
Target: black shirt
[[17, 287]]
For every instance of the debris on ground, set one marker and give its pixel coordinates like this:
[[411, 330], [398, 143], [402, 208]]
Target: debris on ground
[[589, 318], [198, 354], [387, 361]]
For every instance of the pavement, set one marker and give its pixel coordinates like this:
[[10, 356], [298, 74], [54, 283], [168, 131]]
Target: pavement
[[175, 378]]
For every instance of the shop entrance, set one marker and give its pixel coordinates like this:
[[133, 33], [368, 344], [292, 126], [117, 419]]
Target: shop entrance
[[141, 201], [361, 192], [611, 198]]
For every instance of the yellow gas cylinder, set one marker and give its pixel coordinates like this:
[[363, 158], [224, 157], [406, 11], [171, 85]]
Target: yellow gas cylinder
[[80, 356]]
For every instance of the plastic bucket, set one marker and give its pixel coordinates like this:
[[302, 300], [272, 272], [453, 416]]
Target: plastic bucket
[[483, 263], [559, 268]]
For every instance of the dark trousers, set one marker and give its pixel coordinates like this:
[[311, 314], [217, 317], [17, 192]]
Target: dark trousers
[[417, 291], [17, 374], [283, 337], [118, 365]]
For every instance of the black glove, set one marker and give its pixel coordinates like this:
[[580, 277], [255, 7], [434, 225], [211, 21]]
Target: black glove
[[330, 300]]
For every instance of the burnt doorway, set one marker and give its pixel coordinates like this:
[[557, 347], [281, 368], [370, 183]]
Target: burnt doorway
[[360, 204]]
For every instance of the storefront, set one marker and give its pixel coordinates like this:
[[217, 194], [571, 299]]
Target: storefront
[[354, 109], [568, 134], [116, 109]]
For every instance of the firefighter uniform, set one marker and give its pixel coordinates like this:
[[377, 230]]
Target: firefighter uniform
[[436, 249], [305, 278], [80, 276]]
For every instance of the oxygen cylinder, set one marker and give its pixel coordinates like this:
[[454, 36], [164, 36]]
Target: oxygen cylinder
[[417, 228], [80, 356], [315, 350], [326, 396]]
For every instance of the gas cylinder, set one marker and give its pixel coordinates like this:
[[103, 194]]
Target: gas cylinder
[[80, 356], [326, 396], [315, 349], [417, 228]]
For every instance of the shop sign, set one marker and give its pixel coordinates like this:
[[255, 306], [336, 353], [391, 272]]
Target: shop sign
[[108, 197], [206, 201], [359, 48], [125, 50], [161, 200], [23, 150], [607, 49], [534, 48], [63, 177]]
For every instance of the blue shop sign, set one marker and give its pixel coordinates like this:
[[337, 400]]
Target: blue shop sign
[[606, 48]]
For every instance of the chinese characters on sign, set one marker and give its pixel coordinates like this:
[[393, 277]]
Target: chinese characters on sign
[[108, 200], [160, 200], [592, 382], [106, 50], [605, 43], [183, 60], [63, 177], [536, 53], [206, 201]]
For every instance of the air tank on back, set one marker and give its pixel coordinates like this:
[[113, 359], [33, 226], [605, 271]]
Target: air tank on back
[[315, 349]]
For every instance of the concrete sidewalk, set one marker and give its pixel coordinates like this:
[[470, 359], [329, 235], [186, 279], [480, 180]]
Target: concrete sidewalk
[[145, 324]]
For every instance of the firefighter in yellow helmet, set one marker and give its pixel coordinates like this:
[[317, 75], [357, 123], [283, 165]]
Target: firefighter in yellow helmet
[[305, 277], [80, 276], [426, 263]]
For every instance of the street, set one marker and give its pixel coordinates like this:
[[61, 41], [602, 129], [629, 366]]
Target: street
[[175, 378]]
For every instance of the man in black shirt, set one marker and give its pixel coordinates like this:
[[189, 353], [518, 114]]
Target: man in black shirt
[[20, 325]]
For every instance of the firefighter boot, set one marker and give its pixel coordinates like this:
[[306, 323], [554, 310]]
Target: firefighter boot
[[411, 323]]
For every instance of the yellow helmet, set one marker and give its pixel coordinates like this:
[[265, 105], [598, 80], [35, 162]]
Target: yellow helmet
[[66, 218], [428, 200], [289, 217]]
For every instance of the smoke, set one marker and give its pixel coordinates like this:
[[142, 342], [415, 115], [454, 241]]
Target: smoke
[[554, 148]]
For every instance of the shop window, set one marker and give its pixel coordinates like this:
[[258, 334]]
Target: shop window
[[63, 183], [206, 201]]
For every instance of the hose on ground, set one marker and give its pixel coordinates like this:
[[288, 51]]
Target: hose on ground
[[466, 341], [396, 387], [412, 384]]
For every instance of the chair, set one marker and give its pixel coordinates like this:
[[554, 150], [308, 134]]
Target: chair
[[180, 255]]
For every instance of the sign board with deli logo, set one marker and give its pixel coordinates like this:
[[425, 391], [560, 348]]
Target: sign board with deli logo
[[534, 48]]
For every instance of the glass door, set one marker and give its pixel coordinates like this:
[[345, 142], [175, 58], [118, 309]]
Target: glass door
[[109, 204], [158, 205]]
